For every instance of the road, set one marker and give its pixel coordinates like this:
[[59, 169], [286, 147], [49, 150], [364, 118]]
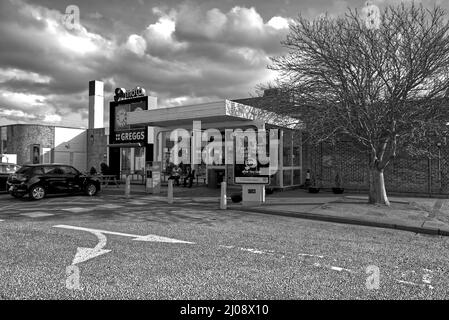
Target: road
[[216, 255]]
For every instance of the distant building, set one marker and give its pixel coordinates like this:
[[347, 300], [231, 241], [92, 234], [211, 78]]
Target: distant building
[[31, 143]]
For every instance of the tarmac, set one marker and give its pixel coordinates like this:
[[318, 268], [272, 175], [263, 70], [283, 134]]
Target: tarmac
[[414, 214]]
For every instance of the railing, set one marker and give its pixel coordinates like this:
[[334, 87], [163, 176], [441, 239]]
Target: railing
[[107, 179]]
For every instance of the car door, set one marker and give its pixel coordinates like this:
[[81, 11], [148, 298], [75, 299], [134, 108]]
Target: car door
[[55, 180], [72, 177]]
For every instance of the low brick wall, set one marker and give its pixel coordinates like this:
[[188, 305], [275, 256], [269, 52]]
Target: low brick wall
[[406, 174]]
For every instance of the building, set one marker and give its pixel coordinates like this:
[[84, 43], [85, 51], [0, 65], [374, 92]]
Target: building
[[137, 141], [44, 144]]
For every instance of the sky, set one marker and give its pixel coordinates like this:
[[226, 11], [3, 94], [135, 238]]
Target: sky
[[182, 52]]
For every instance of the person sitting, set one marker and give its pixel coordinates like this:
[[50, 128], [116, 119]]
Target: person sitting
[[189, 177], [104, 169], [175, 174], [93, 171]]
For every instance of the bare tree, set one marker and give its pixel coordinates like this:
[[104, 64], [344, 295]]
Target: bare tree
[[382, 88]]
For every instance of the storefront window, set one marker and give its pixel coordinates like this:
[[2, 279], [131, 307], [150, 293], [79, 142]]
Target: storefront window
[[287, 177], [296, 153], [287, 150], [125, 161], [297, 177], [139, 159]]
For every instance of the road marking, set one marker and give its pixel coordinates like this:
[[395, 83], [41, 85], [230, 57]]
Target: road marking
[[78, 210], [138, 203], [37, 214], [150, 237], [1, 220], [84, 254], [422, 285], [109, 206], [310, 255], [253, 250], [340, 269], [226, 247]]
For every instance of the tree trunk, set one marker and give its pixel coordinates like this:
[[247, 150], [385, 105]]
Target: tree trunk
[[377, 191]]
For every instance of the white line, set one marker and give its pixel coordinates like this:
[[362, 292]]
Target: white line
[[150, 237], [1, 220], [340, 269], [408, 282], [97, 230], [415, 284], [226, 247], [253, 250], [310, 255]]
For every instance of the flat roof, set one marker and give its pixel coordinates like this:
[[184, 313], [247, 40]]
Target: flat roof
[[211, 112]]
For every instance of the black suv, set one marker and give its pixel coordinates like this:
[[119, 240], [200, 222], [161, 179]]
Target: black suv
[[42, 179]]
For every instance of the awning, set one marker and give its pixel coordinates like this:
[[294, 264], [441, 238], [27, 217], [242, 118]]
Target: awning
[[126, 145], [218, 112]]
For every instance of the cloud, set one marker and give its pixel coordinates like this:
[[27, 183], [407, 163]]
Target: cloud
[[136, 44], [183, 54]]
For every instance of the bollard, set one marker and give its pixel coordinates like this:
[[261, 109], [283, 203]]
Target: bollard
[[223, 199], [128, 186], [170, 191]]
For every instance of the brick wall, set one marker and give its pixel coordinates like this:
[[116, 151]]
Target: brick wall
[[21, 137], [96, 148], [405, 174]]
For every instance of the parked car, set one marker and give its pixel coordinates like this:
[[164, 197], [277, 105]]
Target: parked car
[[6, 169], [41, 179]]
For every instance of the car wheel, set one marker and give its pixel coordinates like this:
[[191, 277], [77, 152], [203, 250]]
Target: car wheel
[[91, 189], [37, 193]]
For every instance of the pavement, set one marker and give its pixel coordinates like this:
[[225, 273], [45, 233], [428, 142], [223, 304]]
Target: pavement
[[143, 248], [421, 215]]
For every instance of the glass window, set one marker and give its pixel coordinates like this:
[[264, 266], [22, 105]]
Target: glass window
[[287, 177], [139, 159], [297, 177], [126, 160], [287, 149], [55, 170], [69, 170], [25, 170], [296, 153]]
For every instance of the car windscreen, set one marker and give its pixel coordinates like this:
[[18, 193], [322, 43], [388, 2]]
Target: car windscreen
[[25, 170]]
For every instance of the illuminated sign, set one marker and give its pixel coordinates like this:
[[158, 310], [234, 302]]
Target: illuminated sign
[[120, 130], [123, 94], [251, 172]]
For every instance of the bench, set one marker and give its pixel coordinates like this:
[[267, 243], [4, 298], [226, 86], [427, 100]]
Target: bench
[[198, 177], [106, 179]]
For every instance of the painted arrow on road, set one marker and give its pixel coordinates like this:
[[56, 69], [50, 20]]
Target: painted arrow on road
[[84, 254]]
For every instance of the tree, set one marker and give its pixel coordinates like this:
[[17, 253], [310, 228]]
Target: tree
[[381, 85]]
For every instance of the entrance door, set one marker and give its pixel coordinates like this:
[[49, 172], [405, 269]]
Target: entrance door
[[132, 162], [114, 161]]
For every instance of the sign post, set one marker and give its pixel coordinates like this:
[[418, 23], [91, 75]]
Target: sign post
[[253, 182], [153, 177]]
